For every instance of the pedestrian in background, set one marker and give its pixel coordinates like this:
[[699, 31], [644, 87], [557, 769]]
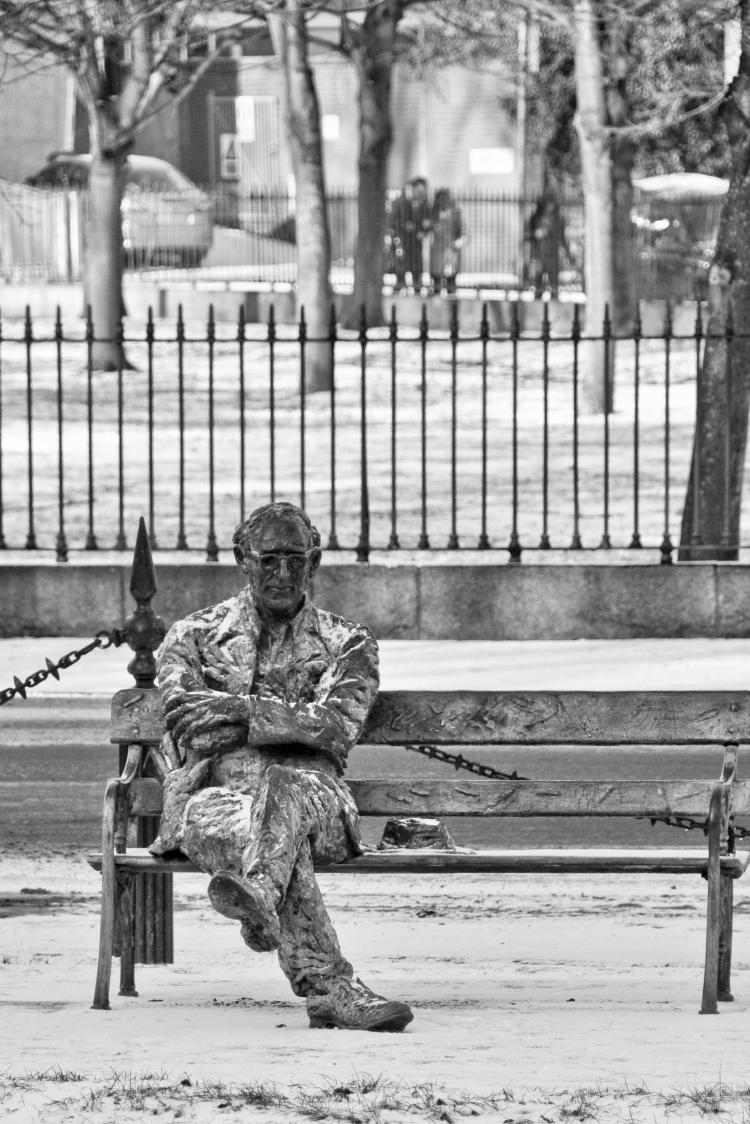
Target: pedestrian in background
[[446, 227], [408, 225]]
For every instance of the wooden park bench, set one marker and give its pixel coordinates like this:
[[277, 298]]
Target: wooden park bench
[[470, 718]]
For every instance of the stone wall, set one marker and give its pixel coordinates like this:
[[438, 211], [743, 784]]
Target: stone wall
[[410, 602]]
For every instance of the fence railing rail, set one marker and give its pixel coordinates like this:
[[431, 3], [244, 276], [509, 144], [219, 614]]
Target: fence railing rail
[[474, 438]]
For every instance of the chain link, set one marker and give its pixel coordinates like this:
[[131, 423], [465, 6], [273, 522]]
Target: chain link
[[102, 640], [460, 762], [687, 823]]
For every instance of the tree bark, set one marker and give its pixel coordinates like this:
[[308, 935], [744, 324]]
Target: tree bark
[[711, 516], [110, 141], [372, 54], [302, 116], [103, 258], [596, 175], [622, 154]]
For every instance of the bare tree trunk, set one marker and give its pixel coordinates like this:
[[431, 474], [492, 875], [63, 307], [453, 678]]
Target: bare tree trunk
[[103, 264], [596, 169], [373, 57], [622, 151], [302, 115], [711, 516]]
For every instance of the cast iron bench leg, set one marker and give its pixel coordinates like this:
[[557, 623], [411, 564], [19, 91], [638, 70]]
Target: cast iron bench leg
[[713, 906], [725, 939], [109, 901], [125, 915]]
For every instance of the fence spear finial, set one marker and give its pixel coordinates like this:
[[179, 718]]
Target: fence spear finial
[[143, 630]]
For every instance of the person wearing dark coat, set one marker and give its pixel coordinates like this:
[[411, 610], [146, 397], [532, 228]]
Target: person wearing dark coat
[[446, 226]]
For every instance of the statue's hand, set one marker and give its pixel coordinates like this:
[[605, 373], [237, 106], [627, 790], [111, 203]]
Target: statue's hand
[[222, 739], [202, 717]]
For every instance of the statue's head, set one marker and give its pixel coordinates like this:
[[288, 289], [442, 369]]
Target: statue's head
[[278, 550]]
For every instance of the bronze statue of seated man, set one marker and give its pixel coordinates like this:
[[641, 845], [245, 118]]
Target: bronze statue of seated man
[[264, 696]]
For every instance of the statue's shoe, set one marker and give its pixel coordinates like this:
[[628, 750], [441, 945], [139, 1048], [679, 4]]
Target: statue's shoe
[[248, 901], [352, 1006]]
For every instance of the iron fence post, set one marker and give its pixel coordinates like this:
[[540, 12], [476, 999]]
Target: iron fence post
[[544, 542], [484, 336], [514, 546], [726, 531], [61, 545], [212, 546], [453, 542], [121, 541], [333, 540], [91, 543], [272, 401], [143, 631], [3, 545], [696, 538], [666, 543], [241, 359], [302, 407], [575, 336], [28, 335], [182, 543], [393, 543], [606, 542], [635, 542], [150, 337], [363, 545], [424, 541]]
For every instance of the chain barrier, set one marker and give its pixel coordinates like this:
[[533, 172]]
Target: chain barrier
[[458, 761], [102, 640], [689, 824]]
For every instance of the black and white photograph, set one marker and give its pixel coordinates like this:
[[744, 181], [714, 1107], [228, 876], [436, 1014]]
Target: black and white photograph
[[375, 630]]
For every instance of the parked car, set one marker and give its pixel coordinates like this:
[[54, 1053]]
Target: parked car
[[166, 219]]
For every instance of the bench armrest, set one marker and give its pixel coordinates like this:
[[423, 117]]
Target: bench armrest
[[721, 794], [116, 804]]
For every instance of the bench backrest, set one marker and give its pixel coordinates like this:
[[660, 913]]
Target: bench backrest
[[462, 718], [511, 718]]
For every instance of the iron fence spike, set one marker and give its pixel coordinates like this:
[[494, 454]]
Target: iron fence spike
[[143, 584]]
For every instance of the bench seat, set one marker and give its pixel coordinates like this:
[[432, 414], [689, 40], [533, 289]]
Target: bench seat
[[581, 860]]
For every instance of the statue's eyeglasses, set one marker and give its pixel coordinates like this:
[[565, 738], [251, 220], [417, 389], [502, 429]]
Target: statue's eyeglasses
[[271, 561]]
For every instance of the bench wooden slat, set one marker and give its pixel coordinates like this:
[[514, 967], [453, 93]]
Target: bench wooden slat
[[511, 718], [540, 798], [559, 717], [687, 860], [509, 798]]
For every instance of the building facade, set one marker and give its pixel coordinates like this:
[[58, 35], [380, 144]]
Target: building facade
[[228, 134]]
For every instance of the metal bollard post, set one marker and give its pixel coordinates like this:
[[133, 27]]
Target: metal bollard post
[[144, 631]]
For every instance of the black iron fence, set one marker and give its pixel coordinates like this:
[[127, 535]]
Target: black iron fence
[[512, 243], [472, 438]]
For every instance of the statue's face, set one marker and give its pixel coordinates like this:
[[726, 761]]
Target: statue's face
[[279, 563]]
